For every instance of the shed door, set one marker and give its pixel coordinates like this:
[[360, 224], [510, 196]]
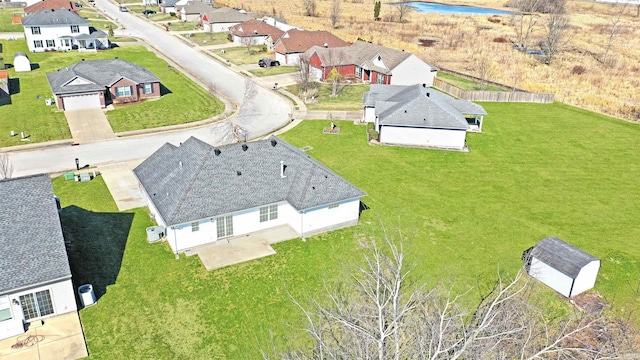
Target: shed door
[[79, 102]]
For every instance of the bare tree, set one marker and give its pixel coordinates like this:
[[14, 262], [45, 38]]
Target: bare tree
[[6, 168], [613, 31], [309, 7], [403, 8], [304, 75], [335, 57], [556, 25], [485, 68], [380, 314], [525, 21], [335, 13], [247, 42], [233, 132]]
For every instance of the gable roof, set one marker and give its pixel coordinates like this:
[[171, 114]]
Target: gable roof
[[194, 181], [255, 27], [33, 250], [363, 54], [419, 106], [225, 15], [51, 5], [298, 41], [196, 7], [53, 17], [562, 256], [98, 75]]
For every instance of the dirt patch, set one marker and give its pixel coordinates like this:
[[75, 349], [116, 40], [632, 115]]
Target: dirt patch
[[590, 303]]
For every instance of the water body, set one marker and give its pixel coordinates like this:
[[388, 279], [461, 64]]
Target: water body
[[454, 9]]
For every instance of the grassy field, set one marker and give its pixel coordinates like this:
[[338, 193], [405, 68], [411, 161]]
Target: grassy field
[[208, 38], [276, 70], [537, 170], [239, 55], [5, 20], [466, 84], [183, 101], [350, 98]]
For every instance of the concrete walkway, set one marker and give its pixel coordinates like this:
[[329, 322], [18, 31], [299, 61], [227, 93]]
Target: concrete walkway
[[89, 125], [123, 185]]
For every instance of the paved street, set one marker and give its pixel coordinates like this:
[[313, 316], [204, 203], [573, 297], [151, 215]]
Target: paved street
[[263, 113]]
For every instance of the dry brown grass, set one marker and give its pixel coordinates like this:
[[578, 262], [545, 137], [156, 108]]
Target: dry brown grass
[[612, 88]]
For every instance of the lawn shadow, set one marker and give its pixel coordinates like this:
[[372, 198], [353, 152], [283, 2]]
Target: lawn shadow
[[95, 245], [164, 90], [14, 86], [35, 66], [5, 99]]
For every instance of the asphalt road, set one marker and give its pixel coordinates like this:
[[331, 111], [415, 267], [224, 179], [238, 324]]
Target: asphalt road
[[263, 112]]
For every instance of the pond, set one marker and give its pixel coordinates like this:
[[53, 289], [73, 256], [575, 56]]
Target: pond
[[454, 9]]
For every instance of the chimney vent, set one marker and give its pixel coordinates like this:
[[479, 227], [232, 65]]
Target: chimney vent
[[273, 142], [216, 151], [244, 147], [282, 175]]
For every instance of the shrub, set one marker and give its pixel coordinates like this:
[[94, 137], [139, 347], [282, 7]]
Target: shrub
[[500, 39], [578, 70], [494, 20], [172, 14]]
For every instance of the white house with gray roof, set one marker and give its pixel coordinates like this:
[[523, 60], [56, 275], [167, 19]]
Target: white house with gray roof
[[60, 30], [35, 278], [202, 194], [561, 266], [420, 116]]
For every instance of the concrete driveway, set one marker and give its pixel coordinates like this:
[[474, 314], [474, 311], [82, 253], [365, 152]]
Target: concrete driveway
[[89, 125]]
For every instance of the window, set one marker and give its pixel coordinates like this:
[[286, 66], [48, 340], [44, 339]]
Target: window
[[51, 43], [334, 205], [123, 91], [358, 71], [225, 226], [37, 43], [36, 305], [380, 79], [148, 88], [35, 30], [195, 226], [5, 308], [75, 29], [268, 213]]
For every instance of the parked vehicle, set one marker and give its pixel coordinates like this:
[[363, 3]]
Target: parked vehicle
[[78, 5], [148, 12], [267, 62], [124, 9]]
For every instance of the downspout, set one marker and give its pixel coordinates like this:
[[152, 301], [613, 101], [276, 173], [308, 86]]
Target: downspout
[[302, 225], [175, 236], [573, 282]]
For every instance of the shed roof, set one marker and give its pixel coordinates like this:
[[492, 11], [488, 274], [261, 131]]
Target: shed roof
[[33, 250], [298, 41], [561, 256], [196, 180], [54, 17]]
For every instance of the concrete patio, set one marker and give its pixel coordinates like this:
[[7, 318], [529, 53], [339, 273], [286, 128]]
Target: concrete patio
[[239, 249], [59, 338]]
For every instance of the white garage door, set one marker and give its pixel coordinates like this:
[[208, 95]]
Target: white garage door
[[79, 102]]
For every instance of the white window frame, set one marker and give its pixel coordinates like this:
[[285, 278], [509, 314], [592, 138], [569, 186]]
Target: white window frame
[[195, 226], [75, 29], [269, 212], [224, 226], [52, 42], [380, 78], [37, 44], [32, 300], [121, 91], [148, 90], [358, 71], [5, 307], [35, 30], [333, 206]]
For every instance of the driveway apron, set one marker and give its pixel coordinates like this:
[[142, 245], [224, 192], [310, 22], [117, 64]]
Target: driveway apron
[[89, 125]]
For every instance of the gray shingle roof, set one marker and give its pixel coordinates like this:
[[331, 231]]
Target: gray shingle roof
[[196, 7], [99, 75], [191, 182], [419, 106], [33, 250], [53, 17], [563, 257], [226, 15]]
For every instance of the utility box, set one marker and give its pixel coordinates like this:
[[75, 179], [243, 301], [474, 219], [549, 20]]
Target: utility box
[[87, 295]]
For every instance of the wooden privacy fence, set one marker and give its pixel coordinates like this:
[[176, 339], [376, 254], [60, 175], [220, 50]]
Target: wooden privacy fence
[[493, 96]]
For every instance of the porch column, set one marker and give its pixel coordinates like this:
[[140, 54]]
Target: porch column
[[479, 122]]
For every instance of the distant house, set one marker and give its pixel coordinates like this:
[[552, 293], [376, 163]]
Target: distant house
[[51, 5], [4, 84], [35, 278], [193, 10], [255, 32], [561, 266], [279, 23], [371, 63], [203, 194], [50, 30], [421, 116], [169, 6], [222, 19], [97, 83], [294, 43], [21, 62]]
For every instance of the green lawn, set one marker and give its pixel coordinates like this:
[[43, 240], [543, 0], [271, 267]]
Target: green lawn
[[349, 98], [90, 13], [464, 217], [183, 101], [5, 20], [163, 17], [276, 70], [208, 38], [240, 56], [466, 84]]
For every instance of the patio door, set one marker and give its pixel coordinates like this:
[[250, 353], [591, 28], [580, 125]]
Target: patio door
[[36, 305], [225, 226]]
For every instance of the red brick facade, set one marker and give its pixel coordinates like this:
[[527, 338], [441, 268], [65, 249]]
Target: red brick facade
[[137, 91]]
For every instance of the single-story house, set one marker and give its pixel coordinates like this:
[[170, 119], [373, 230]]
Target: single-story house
[[561, 266], [293, 43], [418, 115], [278, 23], [51, 5], [222, 19], [193, 10], [255, 32], [35, 278], [59, 30], [21, 62], [370, 63], [169, 6], [202, 194], [98, 83]]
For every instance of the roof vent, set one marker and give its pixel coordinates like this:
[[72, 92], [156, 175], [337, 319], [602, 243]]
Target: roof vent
[[326, 45], [424, 85], [180, 164], [405, 111], [216, 151], [273, 142], [282, 175], [244, 147], [82, 59], [239, 172], [427, 94], [255, 32]]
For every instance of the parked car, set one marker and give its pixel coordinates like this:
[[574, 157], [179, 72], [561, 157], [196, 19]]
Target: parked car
[[267, 62], [91, 1], [148, 12], [124, 9], [78, 5]]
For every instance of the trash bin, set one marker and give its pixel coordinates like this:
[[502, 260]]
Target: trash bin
[[86, 294]]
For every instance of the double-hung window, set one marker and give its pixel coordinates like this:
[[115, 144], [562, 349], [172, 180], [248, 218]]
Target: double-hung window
[[37, 43], [268, 213], [5, 308], [333, 206], [51, 43], [123, 91], [36, 305], [358, 71], [380, 78], [147, 88], [75, 29], [195, 226], [35, 30]]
